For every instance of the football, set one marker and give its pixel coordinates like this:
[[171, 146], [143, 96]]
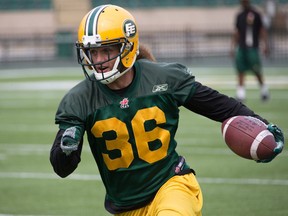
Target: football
[[248, 137]]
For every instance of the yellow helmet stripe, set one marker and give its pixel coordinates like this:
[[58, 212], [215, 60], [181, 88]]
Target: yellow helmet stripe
[[92, 20]]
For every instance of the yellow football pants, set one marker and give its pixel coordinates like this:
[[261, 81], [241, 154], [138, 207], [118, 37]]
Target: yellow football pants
[[179, 196]]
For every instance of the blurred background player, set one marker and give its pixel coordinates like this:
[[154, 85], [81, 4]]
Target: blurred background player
[[249, 30]]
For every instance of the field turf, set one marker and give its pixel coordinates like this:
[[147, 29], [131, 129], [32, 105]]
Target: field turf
[[232, 186]]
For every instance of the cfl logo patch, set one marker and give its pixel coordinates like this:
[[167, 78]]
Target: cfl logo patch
[[130, 28], [124, 103]]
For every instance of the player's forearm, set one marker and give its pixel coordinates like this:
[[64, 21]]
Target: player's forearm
[[216, 106], [62, 164]]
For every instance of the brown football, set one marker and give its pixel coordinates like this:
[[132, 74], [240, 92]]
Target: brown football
[[248, 137]]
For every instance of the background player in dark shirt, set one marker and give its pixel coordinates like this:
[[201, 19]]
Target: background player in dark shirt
[[129, 109], [249, 30]]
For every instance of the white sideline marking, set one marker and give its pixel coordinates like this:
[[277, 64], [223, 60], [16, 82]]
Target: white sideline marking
[[277, 82], [39, 85], [28, 175], [96, 177], [238, 181]]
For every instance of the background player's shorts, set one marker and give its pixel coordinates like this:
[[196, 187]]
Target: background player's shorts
[[180, 195], [248, 59]]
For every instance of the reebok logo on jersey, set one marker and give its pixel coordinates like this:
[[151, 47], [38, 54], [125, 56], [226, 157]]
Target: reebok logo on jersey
[[124, 103], [160, 88]]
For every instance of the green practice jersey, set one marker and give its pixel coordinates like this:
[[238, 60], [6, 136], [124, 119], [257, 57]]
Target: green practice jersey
[[131, 133]]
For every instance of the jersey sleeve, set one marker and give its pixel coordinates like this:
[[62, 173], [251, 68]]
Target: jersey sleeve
[[72, 109], [217, 106], [183, 83]]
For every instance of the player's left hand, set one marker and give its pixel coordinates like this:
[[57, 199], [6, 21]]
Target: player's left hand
[[279, 139], [71, 139]]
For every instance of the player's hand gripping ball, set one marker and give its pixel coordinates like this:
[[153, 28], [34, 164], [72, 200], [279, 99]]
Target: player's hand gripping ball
[[252, 139]]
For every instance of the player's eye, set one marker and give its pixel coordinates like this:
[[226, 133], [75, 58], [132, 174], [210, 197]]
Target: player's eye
[[93, 52], [107, 52]]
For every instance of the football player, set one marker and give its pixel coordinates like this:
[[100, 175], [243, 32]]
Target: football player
[[249, 30], [129, 109]]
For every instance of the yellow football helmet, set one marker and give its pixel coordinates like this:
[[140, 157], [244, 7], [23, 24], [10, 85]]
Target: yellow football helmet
[[108, 25]]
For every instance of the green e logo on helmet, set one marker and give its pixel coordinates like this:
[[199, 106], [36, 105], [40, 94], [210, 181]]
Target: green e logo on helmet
[[129, 28]]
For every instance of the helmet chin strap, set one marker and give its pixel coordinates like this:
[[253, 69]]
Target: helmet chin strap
[[117, 75]]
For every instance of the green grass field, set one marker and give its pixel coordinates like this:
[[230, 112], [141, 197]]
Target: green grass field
[[232, 186]]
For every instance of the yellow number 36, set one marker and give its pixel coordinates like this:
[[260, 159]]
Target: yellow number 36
[[141, 136]]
